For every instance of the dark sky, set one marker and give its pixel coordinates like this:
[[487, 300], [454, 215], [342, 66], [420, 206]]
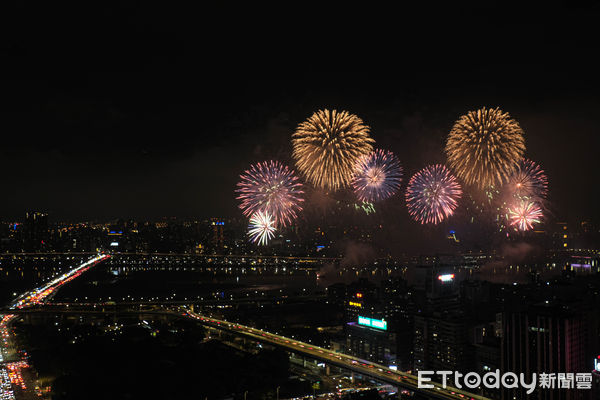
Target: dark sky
[[148, 112]]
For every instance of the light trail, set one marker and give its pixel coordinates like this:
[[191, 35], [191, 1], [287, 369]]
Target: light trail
[[11, 372], [41, 293], [360, 366]]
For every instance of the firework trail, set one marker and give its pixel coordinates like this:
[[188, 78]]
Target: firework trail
[[367, 207], [524, 215], [272, 187], [262, 228], [528, 181], [432, 194], [377, 176], [484, 147], [327, 146]]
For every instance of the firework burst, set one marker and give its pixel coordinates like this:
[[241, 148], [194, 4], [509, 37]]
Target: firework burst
[[432, 194], [327, 146], [272, 187], [528, 181], [524, 215], [262, 228], [377, 176], [484, 147]]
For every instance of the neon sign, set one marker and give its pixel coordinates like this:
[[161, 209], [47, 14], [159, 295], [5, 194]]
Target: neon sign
[[373, 323]]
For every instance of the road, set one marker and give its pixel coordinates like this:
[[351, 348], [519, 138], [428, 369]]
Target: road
[[14, 377], [376, 371], [44, 292]]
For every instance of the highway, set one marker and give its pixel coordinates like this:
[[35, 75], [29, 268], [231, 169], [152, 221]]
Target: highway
[[11, 362], [363, 367], [42, 293]]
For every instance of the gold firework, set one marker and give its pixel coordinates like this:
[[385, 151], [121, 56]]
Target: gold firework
[[327, 146], [484, 147]]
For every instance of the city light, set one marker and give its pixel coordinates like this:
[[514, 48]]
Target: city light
[[586, 266], [446, 277]]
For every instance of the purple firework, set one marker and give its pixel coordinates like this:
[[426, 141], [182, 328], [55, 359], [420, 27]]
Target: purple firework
[[528, 181], [432, 194], [377, 176], [270, 187]]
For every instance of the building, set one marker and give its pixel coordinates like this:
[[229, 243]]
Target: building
[[369, 339], [486, 351], [362, 298], [441, 339], [379, 322], [218, 237], [546, 338], [441, 343], [35, 231]]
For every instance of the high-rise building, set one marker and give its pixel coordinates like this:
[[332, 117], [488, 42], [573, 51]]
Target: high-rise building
[[218, 237], [35, 231], [441, 343], [546, 338], [362, 298], [561, 237], [370, 338], [379, 323]]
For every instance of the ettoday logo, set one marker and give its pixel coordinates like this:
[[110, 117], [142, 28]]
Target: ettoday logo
[[507, 380]]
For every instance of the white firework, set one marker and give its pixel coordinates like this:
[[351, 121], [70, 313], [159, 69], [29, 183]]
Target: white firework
[[262, 228]]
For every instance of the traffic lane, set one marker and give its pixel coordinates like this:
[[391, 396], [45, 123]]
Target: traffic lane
[[404, 380], [319, 353]]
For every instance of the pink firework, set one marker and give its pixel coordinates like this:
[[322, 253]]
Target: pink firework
[[270, 187], [377, 176], [432, 194], [528, 181], [524, 214]]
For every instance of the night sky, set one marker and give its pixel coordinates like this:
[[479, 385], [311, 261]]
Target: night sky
[[150, 112]]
